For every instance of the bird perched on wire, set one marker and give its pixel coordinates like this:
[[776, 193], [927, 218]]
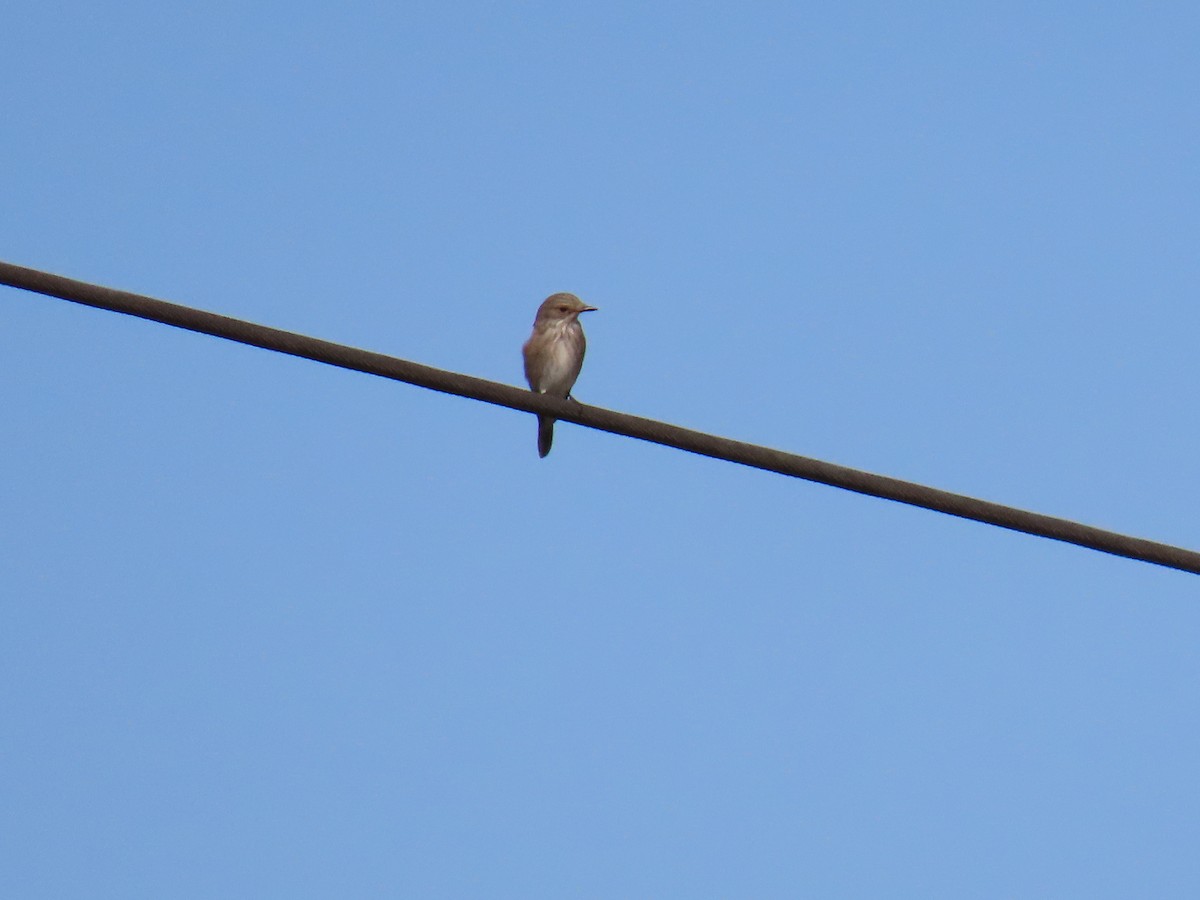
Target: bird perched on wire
[[554, 354]]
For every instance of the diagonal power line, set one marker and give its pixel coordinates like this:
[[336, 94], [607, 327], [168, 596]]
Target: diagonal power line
[[604, 419]]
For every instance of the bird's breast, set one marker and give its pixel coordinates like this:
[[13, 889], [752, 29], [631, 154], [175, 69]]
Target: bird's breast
[[556, 358]]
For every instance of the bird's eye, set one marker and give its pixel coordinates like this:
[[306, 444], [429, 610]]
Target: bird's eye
[[562, 309]]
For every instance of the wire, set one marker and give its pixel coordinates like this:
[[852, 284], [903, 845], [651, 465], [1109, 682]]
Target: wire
[[603, 419]]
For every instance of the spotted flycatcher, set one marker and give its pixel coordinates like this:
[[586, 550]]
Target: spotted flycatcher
[[554, 354]]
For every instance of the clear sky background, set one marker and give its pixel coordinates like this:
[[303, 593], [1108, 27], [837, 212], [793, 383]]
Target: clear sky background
[[274, 629]]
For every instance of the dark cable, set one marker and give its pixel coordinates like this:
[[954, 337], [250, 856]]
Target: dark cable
[[603, 419]]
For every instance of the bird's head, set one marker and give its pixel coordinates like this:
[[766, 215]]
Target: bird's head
[[561, 308]]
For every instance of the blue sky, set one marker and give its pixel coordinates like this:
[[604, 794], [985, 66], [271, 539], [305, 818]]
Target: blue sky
[[273, 629]]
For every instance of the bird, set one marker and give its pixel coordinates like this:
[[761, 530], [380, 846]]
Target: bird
[[554, 355]]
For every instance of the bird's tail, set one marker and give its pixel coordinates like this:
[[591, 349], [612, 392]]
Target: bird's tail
[[545, 434]]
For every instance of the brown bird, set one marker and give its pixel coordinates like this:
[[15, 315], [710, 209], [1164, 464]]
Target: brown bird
[[554, 354]]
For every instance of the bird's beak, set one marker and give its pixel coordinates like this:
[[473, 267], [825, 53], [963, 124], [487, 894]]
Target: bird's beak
[[588, 309]]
